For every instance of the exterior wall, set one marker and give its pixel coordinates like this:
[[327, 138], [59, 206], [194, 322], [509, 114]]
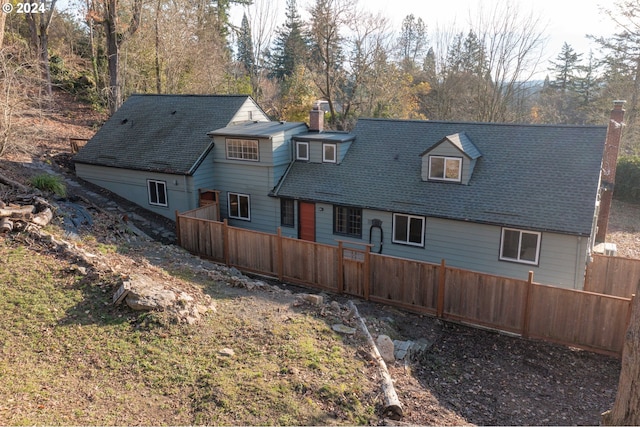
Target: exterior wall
[[315, 150], [471, 246], [255, 179], [449, 150], [249, 112], [132, 185]]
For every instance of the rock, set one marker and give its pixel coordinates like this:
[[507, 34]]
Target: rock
[[335, 305], [385, 347], [343, 329], [145, 294], [227, 352], [312, 299]]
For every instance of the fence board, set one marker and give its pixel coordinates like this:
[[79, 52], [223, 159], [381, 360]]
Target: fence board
[[253, 251], [404, 282], [613, 276], [582, 319], [309, 263], [487, 300]]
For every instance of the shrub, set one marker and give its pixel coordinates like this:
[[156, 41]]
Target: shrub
[[51, 183], [627, 186]]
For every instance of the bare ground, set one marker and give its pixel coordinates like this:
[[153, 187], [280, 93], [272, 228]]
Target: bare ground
[[467, 376]]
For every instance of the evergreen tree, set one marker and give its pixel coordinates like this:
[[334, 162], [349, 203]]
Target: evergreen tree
[[412, 42], [565, 69], [245, 47], [290, 48]]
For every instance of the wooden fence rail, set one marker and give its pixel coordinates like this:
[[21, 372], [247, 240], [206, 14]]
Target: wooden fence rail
[[588, 320]]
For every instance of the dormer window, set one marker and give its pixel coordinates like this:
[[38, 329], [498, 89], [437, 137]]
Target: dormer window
[[445, 168], [242, 149], [329, 153], [302, 150]]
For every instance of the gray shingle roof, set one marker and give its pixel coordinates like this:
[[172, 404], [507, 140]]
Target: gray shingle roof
[[165, 133], [529, 176]]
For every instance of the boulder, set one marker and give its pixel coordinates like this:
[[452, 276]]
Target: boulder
[[145, 294], [386, 348]]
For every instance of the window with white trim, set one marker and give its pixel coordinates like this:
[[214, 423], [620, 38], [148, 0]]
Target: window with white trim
[[408, 229], [302, 150], [329, 153], [520, 246], [242, 149], [239, 206], [445, 168], [157, 192]]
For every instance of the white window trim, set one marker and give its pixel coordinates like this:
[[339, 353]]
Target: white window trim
[[444, 178], [335, 153], [298, 156], [166, 196], [518, 260], [240, 195], [252, 141], [407, 242]]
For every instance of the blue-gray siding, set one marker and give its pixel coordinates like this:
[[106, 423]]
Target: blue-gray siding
[[471, 246]]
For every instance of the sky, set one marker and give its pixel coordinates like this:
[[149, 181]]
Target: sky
[[562, 20]]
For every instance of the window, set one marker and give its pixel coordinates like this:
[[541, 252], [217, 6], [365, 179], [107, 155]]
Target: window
[[329, 153], [408, 229], [445, 168], [347, 221], [302, 150], [520, 246], [239, 206], [287, 218], [157, 192], [242, 149]]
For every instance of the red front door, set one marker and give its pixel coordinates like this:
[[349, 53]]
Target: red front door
[[307, 227]]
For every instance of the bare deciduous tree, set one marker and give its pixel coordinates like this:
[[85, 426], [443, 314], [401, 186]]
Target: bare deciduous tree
[[39, 22]]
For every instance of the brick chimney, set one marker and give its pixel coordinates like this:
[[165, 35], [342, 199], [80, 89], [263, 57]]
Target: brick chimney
[[609, 163], [316, 118]]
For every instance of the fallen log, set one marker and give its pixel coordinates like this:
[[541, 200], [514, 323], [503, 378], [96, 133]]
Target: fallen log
[[5, 225], [12, 183], [42, 218], [17, 211], [392, 408]]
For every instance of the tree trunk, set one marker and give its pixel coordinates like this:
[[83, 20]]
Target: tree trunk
[[626, 408], [3, 18]]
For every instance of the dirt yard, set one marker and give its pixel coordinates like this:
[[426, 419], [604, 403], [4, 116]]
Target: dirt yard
[[467, 375]]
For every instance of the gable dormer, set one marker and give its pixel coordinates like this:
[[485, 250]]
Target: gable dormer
[[452, 159]]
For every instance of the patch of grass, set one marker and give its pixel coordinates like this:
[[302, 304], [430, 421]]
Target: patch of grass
[[50, 183], [68, 356]]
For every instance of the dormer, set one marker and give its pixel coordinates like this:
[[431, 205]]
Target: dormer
[[452, 160]]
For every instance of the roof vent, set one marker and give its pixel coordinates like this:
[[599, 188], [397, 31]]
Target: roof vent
[[124, 121], [173, 112]]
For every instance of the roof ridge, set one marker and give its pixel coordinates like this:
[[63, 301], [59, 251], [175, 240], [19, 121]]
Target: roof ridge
[[502, 124]]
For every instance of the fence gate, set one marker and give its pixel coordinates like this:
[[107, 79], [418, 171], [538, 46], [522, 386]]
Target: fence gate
[[354, 268]]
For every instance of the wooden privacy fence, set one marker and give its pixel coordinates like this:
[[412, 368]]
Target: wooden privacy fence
[[613, 275], [588, 320]]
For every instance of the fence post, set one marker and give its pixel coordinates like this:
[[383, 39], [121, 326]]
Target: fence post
[[225, 233], [527, 307], [366, 273], [630, 312], [280, 256], [340, 269], [178, 240], [441, 281]]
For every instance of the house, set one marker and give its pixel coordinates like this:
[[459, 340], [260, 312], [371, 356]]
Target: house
[[155, 150], [502, 199]]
